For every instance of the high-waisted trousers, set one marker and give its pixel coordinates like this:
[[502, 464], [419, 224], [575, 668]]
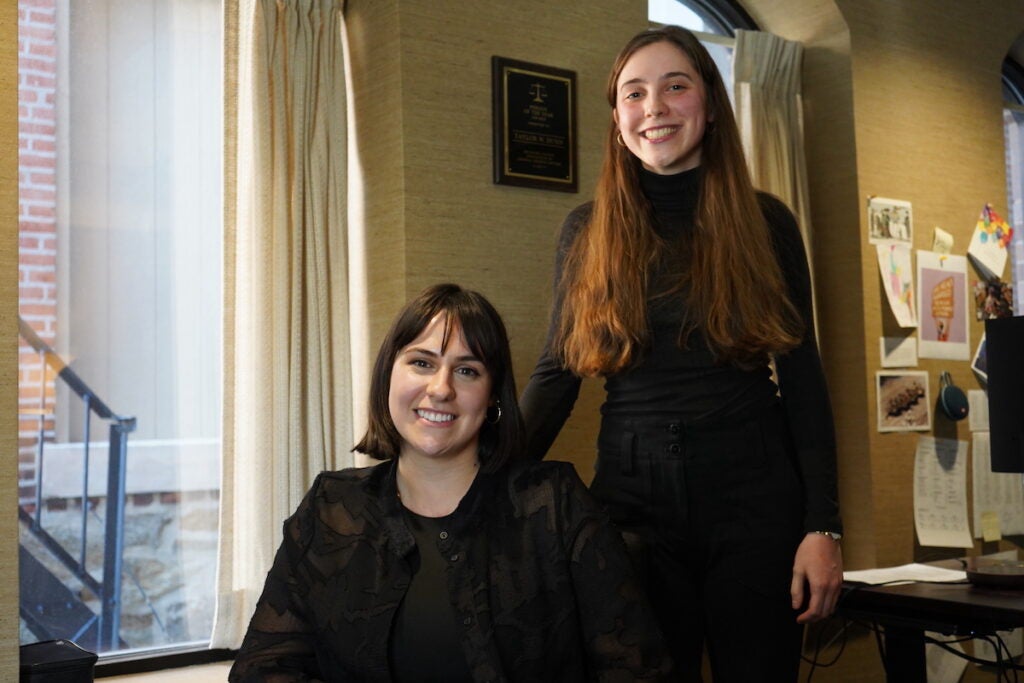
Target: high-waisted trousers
[[712, 518]]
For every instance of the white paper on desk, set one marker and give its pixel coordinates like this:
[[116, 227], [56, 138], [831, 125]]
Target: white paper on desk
[[995, 492], [977, 414], [905, 573], [940, 493], [943, 666]]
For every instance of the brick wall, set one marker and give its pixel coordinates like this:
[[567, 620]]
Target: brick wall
[[37, 266]]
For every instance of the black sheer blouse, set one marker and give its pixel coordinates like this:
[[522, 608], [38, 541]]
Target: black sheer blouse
[[539, 583]]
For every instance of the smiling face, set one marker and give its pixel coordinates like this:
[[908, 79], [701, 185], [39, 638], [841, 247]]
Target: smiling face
[[439, 396], [660, 108]]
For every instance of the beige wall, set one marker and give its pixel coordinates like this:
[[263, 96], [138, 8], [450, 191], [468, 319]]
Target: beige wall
[[424, 121], [8, 349], [927, 107], [903, 100]]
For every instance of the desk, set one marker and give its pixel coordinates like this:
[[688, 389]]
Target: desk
[[906, 611]]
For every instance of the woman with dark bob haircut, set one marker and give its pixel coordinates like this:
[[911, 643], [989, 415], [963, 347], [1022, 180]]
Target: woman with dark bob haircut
[[455, 559], [484, 332]]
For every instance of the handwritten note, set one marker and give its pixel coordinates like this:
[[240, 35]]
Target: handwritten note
[[978, 415], [940, 493], [998, 497]]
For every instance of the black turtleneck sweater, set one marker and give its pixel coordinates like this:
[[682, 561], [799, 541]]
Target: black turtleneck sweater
[[685, 383]]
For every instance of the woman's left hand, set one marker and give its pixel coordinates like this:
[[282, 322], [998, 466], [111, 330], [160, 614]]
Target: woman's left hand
[[818, 567]]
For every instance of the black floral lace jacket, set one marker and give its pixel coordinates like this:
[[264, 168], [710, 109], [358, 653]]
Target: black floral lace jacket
[[539, 581]]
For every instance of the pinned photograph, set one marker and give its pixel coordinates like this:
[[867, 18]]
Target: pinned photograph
[[904, 402], [889, 220], [993, 299]]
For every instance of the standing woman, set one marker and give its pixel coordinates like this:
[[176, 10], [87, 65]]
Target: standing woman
[[679, 284]]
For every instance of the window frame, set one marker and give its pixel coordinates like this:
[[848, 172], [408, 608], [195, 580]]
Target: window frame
[[1013, 99], [1013, 83], [728, 16]]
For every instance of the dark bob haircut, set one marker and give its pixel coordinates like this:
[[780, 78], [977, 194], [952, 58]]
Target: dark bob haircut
[[484, 334]]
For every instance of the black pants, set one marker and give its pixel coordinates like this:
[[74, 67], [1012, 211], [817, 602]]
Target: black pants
[[712, 518]]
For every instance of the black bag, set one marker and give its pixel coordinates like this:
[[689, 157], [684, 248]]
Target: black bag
[[56, 661]]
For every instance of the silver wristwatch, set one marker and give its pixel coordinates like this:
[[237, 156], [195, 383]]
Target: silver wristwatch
[[835, 536]]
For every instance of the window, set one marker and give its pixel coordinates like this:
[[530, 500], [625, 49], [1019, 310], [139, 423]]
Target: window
[[703, 16], [120, 270], [713, 22], [1013, 126]]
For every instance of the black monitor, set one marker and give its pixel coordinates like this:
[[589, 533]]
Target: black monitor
[[1004, 348]]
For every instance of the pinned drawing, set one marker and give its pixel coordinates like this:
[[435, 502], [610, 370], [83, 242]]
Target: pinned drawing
[[989, 244], [942, 310], [894, 265]]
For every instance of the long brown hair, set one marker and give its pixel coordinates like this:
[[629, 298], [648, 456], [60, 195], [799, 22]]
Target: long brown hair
[[733, 290]]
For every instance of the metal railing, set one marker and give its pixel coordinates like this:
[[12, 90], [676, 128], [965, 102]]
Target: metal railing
[[105, 625]]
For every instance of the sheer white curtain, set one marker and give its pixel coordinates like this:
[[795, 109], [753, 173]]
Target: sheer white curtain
[[769, 111], [286, 396]]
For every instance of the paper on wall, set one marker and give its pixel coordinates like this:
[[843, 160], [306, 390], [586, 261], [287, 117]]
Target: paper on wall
[[980, 364], [989, 243], [942, 242], [897, 273], [942, 306], [940, 493], [995, 493], [898, 352], [977, 415]]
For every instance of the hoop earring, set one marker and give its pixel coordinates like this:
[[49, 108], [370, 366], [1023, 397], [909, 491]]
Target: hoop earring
[[618, 139], [497, 419]]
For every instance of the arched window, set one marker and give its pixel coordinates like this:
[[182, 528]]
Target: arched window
[[1013, 126], [714, 21], [702, 16]]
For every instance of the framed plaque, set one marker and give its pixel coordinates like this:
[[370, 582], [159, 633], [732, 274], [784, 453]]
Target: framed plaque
[[534, 125]]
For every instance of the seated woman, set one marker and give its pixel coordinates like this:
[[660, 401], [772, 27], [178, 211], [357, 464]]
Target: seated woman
[[456, 559]]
